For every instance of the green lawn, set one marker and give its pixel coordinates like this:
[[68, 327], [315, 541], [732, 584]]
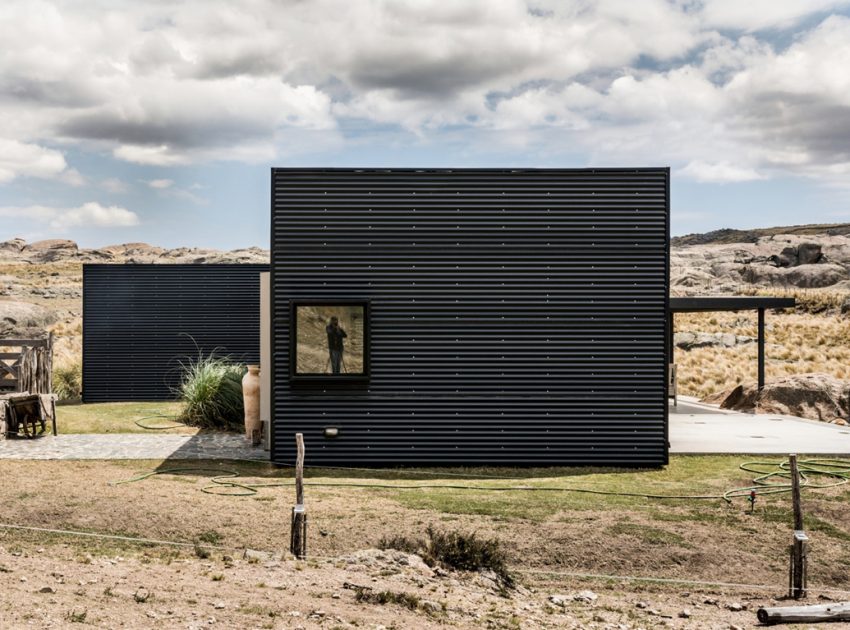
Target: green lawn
[[118, 417]]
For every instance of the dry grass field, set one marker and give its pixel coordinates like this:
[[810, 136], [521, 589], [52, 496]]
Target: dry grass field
[[99, 582], [813, 338]]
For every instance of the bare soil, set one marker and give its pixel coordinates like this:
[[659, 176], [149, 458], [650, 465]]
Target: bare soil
[[541, 533], [59, 587]]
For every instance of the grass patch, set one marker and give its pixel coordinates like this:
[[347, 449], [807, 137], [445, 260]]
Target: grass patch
[[812, 523], [258, 610], [117, 417], [77, 616], [210, 537], [685, 475], [647, 534]]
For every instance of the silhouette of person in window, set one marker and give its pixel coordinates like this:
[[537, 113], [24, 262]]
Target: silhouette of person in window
[[335, 344]]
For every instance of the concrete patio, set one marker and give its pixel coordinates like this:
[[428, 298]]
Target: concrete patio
[[133, 446], [699, 428]]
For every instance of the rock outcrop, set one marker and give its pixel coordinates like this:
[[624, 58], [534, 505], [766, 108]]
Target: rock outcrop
[[51, 250], [778, 261], [816, 396], [60, 250], [690, 340]]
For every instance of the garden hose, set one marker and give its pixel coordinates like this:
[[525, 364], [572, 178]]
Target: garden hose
[[769, 481], [176, 425]]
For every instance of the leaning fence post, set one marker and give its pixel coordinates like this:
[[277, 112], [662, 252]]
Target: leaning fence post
[[798, 546], [298, 533]]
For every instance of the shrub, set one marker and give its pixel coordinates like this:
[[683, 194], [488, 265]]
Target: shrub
[[211, 389], [467, 552], [402, 543], [68, 380], [364, 594], [455, 550]]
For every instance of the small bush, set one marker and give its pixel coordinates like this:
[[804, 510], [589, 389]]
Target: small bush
[[467, 552], [77, 616], [368, 596], [68, 380], [455, 550], [402, 543], [211, 389], [211, 537]]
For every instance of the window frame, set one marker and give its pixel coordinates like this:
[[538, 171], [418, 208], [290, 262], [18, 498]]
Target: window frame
[[329, 381]]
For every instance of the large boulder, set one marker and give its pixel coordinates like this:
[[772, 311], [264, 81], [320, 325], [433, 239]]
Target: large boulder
[[801, 276], [51, 250], [13, 246], [809, 254], [816, 396], [691, 340], [24, 319]]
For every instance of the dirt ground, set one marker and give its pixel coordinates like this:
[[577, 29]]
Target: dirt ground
[[541, 532], [59, 587]]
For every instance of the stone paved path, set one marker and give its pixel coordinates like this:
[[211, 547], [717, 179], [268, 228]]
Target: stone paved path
[[132, 446]]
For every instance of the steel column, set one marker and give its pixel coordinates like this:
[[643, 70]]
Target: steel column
[[761, 348]]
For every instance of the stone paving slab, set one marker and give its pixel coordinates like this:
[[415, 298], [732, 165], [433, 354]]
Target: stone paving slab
[[132, 446]]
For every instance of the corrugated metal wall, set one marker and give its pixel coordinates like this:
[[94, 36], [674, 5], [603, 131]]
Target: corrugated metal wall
[[139, 321], [518, 316]]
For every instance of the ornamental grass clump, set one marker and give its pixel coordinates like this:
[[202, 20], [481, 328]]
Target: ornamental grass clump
[[68, 380], [211, 390]]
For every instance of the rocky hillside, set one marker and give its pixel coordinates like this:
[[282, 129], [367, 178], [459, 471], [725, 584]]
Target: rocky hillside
[[59, 250], [779, 258]]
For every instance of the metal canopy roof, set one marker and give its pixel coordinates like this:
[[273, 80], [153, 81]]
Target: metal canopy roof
[[728, 303]]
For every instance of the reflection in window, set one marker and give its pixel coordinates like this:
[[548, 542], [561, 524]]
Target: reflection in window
[[329, 339]]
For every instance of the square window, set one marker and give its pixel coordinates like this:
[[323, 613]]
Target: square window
[[329, 342]]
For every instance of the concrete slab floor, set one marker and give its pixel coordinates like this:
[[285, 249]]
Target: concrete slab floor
[[700, 428]]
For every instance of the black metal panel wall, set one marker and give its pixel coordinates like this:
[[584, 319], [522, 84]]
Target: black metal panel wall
[[518, 316], [140, 321]]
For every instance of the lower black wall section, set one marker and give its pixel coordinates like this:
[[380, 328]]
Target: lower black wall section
[[140, 321], [517, 315]]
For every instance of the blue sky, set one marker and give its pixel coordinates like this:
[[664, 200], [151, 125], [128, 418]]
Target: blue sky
[[159, 122]]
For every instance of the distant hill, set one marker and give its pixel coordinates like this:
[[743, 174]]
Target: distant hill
[[728, 236]]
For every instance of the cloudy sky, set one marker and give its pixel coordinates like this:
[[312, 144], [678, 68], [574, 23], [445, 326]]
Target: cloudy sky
[[158, 121]]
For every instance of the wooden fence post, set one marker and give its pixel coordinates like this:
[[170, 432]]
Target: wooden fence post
[[798, 567], [298, 533]]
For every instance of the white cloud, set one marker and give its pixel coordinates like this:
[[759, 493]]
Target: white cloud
[[113, 185], [161, 183], [719, 172], [73, 177], [90, 214], [753, 15], [161, 155], [705, 86], [28, 160]]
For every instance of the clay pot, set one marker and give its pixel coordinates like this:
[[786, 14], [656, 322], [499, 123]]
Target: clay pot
[[251, 397]]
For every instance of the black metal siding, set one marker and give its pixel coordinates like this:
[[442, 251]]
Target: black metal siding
[[518, 316], [140, 321]]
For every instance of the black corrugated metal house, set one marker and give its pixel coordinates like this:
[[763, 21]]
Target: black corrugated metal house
[[470, 316]]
